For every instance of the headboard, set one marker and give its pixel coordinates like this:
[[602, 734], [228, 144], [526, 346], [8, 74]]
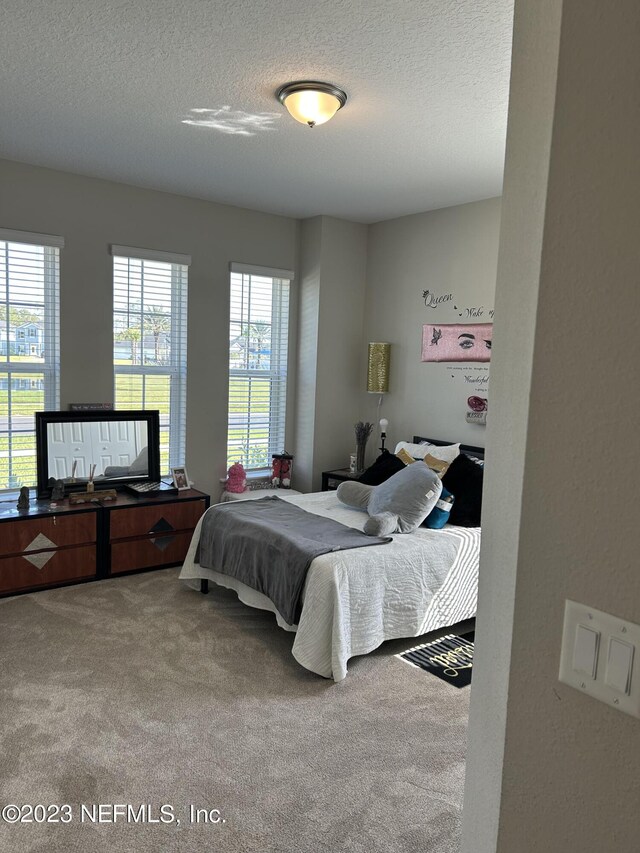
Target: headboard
[[465, 448]]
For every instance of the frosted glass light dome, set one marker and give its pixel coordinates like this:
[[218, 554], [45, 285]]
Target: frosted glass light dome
[[311, 102]]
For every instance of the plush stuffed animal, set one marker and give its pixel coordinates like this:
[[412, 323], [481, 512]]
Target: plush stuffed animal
[[400, 504], [236, 479], [285, 473]]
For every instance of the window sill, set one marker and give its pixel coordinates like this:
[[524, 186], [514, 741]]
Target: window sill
[[11, 496], [255, 476]]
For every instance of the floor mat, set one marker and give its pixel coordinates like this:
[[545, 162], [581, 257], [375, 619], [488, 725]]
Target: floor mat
[[449, 657]]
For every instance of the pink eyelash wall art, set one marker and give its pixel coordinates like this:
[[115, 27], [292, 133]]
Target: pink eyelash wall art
[[457, 342]]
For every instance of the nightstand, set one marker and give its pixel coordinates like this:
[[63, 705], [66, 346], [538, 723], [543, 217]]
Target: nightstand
[[332, 479]]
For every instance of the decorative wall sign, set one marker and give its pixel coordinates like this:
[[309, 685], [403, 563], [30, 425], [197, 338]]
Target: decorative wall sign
[[461, 344], [478, 410], [457, 342], [477, 404]]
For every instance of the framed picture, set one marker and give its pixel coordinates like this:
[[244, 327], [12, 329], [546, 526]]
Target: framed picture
[[180, 478], [457, 342]]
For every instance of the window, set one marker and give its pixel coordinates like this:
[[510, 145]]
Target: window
[[258, 348], [29, 347], [150, 341]]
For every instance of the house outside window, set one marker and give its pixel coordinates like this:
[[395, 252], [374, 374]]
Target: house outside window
[[29, 347], [258, 361], [150, 341]]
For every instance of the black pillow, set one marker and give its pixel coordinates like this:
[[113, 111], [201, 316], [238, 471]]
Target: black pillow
[[464, 481], [385, 466]]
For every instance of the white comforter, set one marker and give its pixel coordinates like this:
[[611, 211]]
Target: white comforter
[[356, 599]]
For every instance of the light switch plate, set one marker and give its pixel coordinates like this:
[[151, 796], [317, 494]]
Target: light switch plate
[[585, 651], [608, 627]]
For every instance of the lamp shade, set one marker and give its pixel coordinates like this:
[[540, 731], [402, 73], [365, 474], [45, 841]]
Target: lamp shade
[[378, 367], [311, 102]]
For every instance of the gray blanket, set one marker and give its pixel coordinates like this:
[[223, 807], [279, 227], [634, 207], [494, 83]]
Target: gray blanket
[[269, 544]]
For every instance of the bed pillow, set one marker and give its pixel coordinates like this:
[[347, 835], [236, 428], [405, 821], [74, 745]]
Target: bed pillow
[[405, 457], [385, 466], [436, 465], [464, 480], [416, 451], [446, 452], [400, 504], [439, 515]]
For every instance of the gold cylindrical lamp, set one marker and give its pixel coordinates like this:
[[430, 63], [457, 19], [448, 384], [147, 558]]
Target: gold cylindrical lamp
[[378, 367]]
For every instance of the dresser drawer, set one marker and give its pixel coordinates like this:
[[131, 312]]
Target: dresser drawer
[[54, 531], [68, 564], [160, 518], [149, 553]]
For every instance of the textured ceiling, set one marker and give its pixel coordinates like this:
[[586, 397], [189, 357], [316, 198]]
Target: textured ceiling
[[103, 88]]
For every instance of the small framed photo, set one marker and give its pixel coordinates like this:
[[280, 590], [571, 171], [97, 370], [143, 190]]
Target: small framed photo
[[180, 478]]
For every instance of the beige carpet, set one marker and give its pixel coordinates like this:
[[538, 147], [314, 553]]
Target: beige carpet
[[138, 690]]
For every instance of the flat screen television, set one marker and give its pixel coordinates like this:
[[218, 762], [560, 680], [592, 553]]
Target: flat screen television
[[124, 446]]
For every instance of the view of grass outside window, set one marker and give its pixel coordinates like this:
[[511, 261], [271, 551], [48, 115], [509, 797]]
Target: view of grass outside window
[[149, 346], [258, 345], [29, 354]]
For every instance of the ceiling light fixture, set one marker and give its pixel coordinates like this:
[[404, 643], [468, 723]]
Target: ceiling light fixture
[[311, 102]]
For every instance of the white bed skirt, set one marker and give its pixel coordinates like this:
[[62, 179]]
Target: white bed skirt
[[248, 596]]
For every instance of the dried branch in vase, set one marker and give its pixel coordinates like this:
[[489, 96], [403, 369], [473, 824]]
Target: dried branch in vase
[[363, 430]]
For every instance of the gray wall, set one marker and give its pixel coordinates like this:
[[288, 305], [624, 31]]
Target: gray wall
[[559, 771], [308, 336], [331, 352], [523, 207], [445, 251], [338, 312], [91, 214]]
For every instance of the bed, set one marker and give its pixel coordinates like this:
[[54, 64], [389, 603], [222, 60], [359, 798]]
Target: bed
[[356, 599]]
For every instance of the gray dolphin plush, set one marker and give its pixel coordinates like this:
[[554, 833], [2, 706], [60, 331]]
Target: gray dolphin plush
[[400, 504]]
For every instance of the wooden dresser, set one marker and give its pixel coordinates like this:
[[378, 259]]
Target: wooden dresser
[[150, 534], [43, 547]]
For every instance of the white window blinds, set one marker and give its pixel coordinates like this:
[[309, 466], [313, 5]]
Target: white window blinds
[[258, 352], [29, 347], [150, 341]]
